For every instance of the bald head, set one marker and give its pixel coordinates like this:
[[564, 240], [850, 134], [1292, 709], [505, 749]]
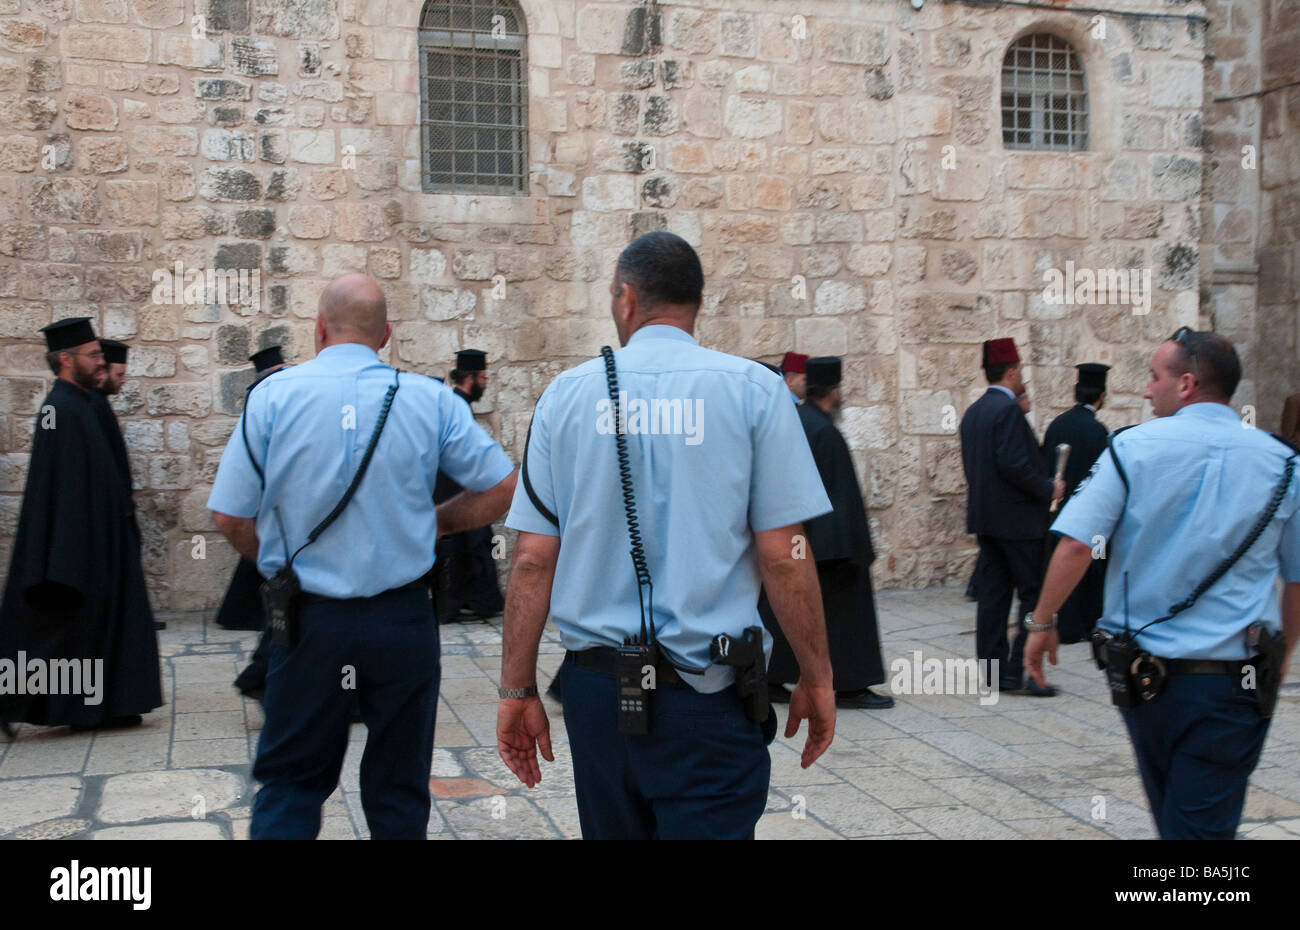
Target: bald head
[[352, 309]]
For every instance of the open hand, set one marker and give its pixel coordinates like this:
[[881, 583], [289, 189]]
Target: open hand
[[1035, 646], [522, 729], [816, 704]]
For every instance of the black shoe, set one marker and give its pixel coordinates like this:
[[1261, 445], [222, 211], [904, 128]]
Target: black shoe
[[777, 693], [159, 625], [1034, 689], [865, 699], [1009, 685]]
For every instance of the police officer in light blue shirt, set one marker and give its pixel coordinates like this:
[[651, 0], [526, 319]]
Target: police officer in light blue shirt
[[1177, 499], [722, 479], [366, 619]]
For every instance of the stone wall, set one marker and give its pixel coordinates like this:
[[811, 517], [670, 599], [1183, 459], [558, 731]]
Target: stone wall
[[1253, 194], [1277, 337], [838, 164]]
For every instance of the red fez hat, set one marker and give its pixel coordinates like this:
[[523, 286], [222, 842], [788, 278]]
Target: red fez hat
[[794, 363], [1000, 352]]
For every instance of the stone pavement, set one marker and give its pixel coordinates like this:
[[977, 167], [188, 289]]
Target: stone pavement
[[933, 766]]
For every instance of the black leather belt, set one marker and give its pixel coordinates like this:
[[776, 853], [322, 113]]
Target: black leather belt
[[604, 659], [1208, 666], [309, 598]]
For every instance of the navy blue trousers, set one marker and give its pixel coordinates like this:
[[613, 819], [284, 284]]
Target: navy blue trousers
[[1196, 745], [390, 641], [701, 773]]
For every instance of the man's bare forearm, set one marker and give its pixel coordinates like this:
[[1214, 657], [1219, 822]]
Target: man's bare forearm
[[469, 510], [1069, 564], [796, 599], [528, 603], [242, 533]]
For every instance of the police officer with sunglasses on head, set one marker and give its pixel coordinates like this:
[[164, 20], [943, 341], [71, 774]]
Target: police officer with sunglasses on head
[[1198, 516]]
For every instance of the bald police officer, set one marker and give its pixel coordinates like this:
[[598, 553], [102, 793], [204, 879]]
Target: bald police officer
[[718, 505], [365, 616], [1177, 499]]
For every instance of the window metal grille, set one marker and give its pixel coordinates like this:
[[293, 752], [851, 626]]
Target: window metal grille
[[1044, 96], [474, 106]]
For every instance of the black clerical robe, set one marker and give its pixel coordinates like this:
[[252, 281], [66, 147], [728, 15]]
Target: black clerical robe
[[241, 608], [465, 574], [840, 542], [1086, 436], [76, 588]]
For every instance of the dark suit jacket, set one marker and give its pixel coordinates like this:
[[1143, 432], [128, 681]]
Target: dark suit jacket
[[1009, 488], [1079, 427]]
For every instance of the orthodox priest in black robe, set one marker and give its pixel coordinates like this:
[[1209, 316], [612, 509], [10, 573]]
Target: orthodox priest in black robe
[[1086, 436], [241, 609], [464, 573], [840, 542], [76, 590], [114, 378]]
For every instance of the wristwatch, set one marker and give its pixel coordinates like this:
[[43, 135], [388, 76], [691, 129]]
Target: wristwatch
[[514, 693], [1033, 627]]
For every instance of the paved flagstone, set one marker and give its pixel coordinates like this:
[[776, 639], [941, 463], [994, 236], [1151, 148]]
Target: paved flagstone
[[933, 766]]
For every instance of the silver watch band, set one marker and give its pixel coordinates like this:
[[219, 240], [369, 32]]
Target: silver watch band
[[515, 693], [1034, 627]]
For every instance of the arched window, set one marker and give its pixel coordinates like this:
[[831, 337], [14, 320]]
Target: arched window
[[474, 97], [1044, 95]]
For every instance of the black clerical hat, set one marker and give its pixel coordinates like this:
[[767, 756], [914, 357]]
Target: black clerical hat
[[824, 371], [64, 334], [114, 351], [471, 360], [266, 358], [1092, 375]]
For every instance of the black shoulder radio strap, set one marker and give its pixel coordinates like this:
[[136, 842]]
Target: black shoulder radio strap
[[528, 485], [243, 429]]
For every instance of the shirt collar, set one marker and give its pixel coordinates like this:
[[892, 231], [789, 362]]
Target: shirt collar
[[1089, 407], [662, 331], [1210, 411], [348, 352], [1006, 390]]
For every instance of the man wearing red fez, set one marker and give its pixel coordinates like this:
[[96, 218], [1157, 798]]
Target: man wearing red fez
[[1007, 510], [794, 368]]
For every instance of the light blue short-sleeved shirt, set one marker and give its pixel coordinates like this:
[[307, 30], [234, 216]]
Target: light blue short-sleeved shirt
[[717, 453], [1198, 483], [308, 428]]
